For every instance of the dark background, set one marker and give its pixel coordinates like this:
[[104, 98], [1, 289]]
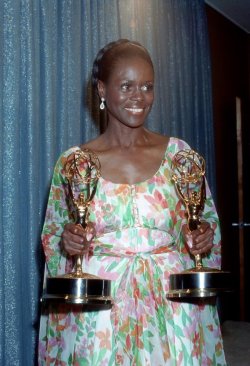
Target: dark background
[[230, 62]]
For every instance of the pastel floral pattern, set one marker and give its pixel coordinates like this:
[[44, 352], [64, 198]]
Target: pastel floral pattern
[[138, 245]]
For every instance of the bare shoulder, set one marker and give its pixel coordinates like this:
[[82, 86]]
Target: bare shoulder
[[157, 139]]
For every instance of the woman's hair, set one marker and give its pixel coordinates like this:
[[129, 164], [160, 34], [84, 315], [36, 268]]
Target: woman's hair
[[107, 57]]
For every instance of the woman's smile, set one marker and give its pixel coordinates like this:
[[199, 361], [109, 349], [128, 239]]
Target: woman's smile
[[135, 110]]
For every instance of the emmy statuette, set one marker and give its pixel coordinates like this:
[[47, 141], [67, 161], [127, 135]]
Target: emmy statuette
[[82, 170], [188, 175]]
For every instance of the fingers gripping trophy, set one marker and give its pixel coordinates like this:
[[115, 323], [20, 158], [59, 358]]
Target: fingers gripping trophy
[[82, 171], [188, 175]]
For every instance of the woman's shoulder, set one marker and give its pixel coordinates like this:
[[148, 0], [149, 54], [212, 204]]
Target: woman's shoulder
[[63, 158], [71, 153], [65, 154], [175, 144], [171, 142]]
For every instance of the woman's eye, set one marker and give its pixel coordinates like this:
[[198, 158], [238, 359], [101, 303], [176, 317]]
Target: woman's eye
[[147, 87], [125, 87]]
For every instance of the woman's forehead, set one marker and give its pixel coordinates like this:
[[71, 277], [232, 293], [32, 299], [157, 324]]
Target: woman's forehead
[[132, 66], [125, 59]]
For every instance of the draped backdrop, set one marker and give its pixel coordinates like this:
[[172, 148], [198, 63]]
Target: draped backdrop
[[46, 52]]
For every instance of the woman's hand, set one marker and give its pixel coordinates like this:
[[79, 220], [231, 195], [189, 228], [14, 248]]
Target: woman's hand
[[199, 241], [76, 240]]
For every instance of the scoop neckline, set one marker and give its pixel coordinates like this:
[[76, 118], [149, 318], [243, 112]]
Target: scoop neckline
[[143, 181]]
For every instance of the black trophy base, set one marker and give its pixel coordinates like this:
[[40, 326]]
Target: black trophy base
[[92, 293], [199, 283]]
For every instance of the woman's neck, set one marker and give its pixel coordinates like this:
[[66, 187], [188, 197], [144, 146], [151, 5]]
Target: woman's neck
[[125, 136]]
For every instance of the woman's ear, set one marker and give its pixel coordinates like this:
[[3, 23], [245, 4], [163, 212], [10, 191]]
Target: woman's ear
[[101, 89]]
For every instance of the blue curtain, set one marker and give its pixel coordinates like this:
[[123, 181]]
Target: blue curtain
[[46, 52]]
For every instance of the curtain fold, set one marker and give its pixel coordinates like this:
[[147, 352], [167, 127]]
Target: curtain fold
[[46, 52]]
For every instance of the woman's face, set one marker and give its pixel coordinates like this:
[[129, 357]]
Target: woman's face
[[129, 91]]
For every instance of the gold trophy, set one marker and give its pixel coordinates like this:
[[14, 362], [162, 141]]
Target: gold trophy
[[189, 178], [82, 170]]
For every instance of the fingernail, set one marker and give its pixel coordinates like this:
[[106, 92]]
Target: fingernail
[[190, 241], [88, 237]]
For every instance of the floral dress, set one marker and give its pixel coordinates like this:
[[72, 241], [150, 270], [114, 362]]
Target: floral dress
[[138, 244]]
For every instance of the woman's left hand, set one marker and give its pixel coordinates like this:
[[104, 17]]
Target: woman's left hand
[[199, 241]]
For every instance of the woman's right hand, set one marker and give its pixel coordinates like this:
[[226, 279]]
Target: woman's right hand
[[76, 240]]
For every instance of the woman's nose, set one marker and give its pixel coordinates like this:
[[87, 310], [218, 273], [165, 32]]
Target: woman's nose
[[137, 93]]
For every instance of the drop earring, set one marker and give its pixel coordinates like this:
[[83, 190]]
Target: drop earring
[[102, 105]]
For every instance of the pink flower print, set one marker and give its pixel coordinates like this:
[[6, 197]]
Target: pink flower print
[[142, 188], [74, 328], [119, 359], [196, 345], [81, 349], [47, 246], [108, 209], [52, 342], [218, 347], [159, 180], [108, 275], [56, 193], [137, 333], [157, 200], [128, 342], [42, 350], [104, 339]]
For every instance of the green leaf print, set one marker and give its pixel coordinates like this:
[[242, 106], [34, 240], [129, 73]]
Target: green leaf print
[[51, 332], [151, 187], [57, 205], [112, 266], [171, 201], [208, 215], [184, 318], [98, 357], [65, 213], [79, 333], [148, 222], [57, 181], [209, 203], [118, 234], [178, 331], [148, 345], [79, 322], [81, 361], [127, 214], [147, 333], [70, 361]]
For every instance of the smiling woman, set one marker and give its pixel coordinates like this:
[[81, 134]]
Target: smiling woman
[[138, 238]]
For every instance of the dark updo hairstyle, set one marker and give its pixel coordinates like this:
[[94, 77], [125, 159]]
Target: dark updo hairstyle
[[107, 57]]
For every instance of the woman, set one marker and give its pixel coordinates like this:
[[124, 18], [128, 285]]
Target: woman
[[137, 240]]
